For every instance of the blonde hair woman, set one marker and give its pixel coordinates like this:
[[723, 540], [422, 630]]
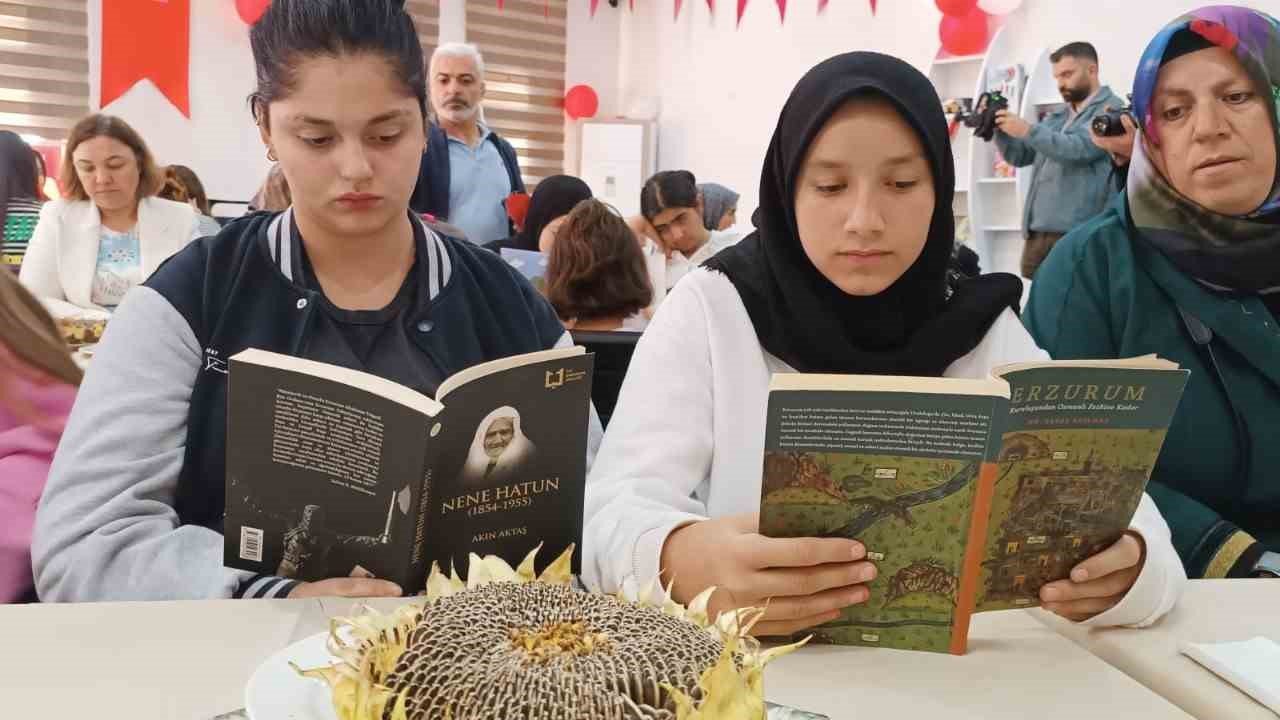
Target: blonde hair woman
[[109, 233]]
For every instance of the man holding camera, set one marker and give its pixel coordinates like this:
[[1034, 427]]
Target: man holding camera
[[1070, 182]]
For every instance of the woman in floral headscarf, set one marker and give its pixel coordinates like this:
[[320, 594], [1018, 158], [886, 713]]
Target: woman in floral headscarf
[[1186, 264]]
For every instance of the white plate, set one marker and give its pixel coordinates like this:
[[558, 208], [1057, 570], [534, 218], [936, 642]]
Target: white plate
[[277, 692]]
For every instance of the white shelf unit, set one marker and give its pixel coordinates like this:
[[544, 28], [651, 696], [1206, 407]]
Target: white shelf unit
[[995, 203], [956, 77]]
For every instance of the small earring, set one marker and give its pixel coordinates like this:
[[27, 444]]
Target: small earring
[[271, 154]]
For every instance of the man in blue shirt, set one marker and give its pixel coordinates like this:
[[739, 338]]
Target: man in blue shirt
[[1070, 184], [468, 170]]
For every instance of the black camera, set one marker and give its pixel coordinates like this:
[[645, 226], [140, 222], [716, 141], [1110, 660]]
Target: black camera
[[1111, 123], [983, 117]]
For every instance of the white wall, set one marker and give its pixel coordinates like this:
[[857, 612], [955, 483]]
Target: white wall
[[592, 58], [219, 140], [719, 89]]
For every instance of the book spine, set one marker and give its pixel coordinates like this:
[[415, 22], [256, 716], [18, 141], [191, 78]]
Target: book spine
[[418, 566], [974, 550]]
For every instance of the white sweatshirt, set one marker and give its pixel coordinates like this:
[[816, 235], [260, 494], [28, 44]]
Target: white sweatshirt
[[686, 442]]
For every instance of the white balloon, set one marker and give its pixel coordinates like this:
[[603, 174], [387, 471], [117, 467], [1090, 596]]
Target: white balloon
[[998, 7]]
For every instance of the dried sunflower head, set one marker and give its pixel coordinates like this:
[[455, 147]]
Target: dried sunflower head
[[505, 644]]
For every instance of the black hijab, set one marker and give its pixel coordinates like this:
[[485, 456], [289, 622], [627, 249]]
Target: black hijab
[[914, 327], [554, 197]]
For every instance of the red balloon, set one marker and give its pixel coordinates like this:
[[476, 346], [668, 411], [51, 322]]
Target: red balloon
[[581, 102], [956, 8], [251, 10], [965, 35]]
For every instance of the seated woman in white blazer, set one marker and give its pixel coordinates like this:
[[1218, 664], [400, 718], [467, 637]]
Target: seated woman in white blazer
[[109, 233], [846, 273]]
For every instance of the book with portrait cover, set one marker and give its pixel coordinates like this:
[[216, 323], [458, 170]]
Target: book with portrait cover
[[969, 495], [333, 472]]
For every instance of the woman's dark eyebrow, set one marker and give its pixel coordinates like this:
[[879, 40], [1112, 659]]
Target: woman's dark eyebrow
[[904, 159], [895, 161], [1217, 87], [321, 122]]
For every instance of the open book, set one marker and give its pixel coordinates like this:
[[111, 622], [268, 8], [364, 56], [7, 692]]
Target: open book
[[969, 495], [333, 472], [529, 263]]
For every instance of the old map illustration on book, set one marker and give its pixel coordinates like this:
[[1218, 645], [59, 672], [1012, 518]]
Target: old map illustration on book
[[969, 495]]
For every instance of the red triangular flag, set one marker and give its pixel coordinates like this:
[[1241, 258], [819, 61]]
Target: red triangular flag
[[782, 10], [594, 4], [679, 4], [164, 59], [742, 7], [632, 4], [711, 5], [873, 7], [822, 6], [502, 4]]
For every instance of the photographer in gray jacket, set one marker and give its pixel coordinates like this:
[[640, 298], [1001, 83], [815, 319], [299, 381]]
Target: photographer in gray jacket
[[1070, 181]]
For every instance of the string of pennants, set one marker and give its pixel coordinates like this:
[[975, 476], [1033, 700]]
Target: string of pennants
[[711, 5]]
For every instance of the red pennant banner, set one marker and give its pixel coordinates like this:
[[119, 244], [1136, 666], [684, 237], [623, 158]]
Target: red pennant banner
[[711, 5], [873, 7], [679, 4], [782, 10], [822, 6], [594, 5], [742, 8], [163, 55]]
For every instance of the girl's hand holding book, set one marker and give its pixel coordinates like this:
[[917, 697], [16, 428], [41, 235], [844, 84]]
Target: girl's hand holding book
[[348, 587], [1099, 583], [802, 582]]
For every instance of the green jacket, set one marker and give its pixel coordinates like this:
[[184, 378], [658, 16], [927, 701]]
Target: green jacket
[[1105, 294], [1071, 182]]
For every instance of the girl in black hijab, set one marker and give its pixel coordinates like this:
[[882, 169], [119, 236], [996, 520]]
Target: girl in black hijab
[[801, 312], [846, 273], [553, 198]]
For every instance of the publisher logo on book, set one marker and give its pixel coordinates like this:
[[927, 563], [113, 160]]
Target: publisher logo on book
[[213, 362], [560, 378]]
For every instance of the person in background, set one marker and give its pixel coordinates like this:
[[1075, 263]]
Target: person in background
[[1069, 185], [181, 184], [46, 187], [671, 209], [554, 198], [468, 170], [274, 195], [110, 232], [349, 276], [596, 275], [846, 273], [19, 198], [38, 382], [1186, 264], [719, 206]]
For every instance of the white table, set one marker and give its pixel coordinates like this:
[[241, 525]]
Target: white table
[[161, 661], [191, 661], [1015, 669], [1210, 611]]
